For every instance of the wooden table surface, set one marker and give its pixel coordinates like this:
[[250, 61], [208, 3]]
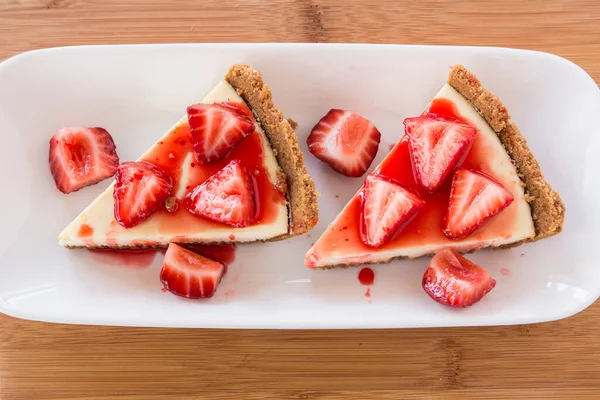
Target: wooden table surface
[[552, 360]]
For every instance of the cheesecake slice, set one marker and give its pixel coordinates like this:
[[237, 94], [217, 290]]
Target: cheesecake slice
[[285, 195], [497, 159]]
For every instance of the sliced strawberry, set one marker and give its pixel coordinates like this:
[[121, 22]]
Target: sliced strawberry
[[387, 206], [217, 128], [140, 189], [227, 197], [81, 157], [474, 199], [455, 281], [345, 141], [188, 274], [437, 146]]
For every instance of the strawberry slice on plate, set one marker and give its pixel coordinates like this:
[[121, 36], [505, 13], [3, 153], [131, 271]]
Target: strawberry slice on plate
[[345, 141], [228, 196], [454, 281], [217, 128], [386, 208], [189, 274], [474, 199], [437, 146], [140, 189], [81, 157]]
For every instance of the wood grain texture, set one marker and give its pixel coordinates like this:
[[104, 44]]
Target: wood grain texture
[[553, 360]]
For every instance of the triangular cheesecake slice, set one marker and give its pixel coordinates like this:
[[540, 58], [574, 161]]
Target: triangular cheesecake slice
[[284, 194], [495, 194]]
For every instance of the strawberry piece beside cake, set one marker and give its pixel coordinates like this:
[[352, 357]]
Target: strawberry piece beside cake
[[454, 281], [188, 274], [345, 141], [81, 157]]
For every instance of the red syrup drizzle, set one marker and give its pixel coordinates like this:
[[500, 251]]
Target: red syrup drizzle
[[85, 231], [124, 258], [225, 254], [366, 277]]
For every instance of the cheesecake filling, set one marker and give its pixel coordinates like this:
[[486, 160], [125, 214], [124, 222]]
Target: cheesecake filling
[[341, 244], [97, 227]]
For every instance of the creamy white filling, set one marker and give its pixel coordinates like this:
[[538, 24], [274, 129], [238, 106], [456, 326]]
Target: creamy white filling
[[106, 232], [500, 165]]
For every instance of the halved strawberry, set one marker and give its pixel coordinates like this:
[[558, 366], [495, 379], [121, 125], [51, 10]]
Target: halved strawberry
[[81, 157], [227, 196], [217, 128], [140, 189], [474, 199], [345, 141], [455, 281], [437, 146], [188, 274], [386, 207]]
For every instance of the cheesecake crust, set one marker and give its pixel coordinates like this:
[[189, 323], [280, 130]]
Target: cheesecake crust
[[301, 190], [547, 208]]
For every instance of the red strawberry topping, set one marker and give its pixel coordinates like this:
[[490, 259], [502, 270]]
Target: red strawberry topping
[[188, 274], [217, 128], [345, 141], [227, 197], [474, 199], [140, 189], [454, 281], [387, 206], [81, 157], [437, 146]]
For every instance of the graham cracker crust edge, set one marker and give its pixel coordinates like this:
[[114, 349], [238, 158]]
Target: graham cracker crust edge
[[302, 193]]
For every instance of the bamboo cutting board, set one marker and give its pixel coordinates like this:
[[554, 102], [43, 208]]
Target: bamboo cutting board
[[552, 360]]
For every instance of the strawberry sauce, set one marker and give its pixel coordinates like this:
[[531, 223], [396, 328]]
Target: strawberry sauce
[[225, 254], [124, 258], [427, 226], [366, 276], [85, 231], [174, 154]]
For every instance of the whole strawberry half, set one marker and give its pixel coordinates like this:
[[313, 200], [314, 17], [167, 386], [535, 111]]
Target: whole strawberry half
[[189, 274], [387, 206], [436, 147], [216, 128], [140, 189], [81, 157], [474, 199], [454, 281], [227, 197], [345, 141]]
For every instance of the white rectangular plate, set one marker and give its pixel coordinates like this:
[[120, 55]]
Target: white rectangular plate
[[138, 92]]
